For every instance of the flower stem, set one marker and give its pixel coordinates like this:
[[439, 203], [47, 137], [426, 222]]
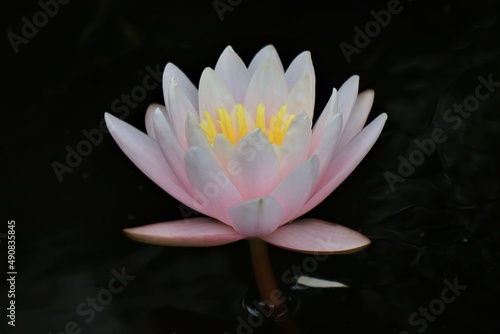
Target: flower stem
[[271, 295]]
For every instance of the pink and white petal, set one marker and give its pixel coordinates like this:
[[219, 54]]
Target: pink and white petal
[[330, 109], [212, 188], [293, 192], [223, 150], [234, 73], [267, 86], [301, 65], [328, 144], [254, 166], [179, 107], [214, 94], [147, 156], [347, 95], [358, 116], [314, 236], [189, 89], [172, 151], [196, 232], [256, 217], [345, 161], [268, 52], [301, 97], [150, 112], [295, 146]]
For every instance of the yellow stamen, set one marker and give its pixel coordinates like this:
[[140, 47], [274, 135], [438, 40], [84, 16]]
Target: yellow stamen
[[234, 126]]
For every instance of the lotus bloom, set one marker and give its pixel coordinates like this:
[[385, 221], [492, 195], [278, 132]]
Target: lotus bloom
[[241, 149]]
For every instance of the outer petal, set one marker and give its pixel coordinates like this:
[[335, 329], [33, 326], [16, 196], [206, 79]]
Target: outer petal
[[358, 116], [253, 167], [212, 188], [197, 232], [301, 65], [172, 151], [317, 236], [172, 71], [147, 156], [150, 112], [301, 96], [234, 73], [295, 146], [268, 52], [293, 192], [214, 93], [347, 97], [345, 162], [267, 86], [256, 217]]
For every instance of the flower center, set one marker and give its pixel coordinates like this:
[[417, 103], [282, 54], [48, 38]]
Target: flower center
[[237, 124]]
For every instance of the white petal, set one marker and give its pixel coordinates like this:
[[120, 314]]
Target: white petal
[[301, 65], [178, 109], [150, 112], [223, 149], [267, 86], [253, 167], [214, 94], [347, 97], [256, 217], [211, 186], [234, 73], [268, 52], [301, 97], [293, 192], [172, 71], [330, 109], [329, 142], [195, 135], [295, 146]]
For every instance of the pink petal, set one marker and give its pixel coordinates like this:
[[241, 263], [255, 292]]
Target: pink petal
[[317, 237], [214, 93], [295, 146], [211, 186], [150, 112], [268, 52], [293, 192], [234, 73], [197, 232], [195, 135], [267, 86], [358, 116], [147, 156], [256, 217], [172, 151], [222, 150], [172, 71], [254, 167], [347, 95], [345, 162]]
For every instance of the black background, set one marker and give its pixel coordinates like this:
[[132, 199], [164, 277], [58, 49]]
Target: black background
[[441, 223]]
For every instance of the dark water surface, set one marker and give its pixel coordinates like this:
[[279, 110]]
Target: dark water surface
[[433, 266]]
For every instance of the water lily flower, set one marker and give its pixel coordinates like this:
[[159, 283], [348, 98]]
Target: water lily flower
[[241, 149]]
